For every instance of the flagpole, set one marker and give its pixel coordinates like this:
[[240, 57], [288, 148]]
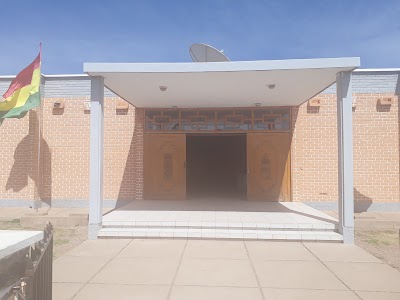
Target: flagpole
[[40, 119]]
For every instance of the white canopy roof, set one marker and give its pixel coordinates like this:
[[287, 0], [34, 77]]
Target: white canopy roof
[[221, 84]]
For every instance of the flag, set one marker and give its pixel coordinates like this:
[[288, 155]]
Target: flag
[[23, 93]]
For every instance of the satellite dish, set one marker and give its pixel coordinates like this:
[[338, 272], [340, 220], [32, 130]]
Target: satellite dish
[[206, 53]]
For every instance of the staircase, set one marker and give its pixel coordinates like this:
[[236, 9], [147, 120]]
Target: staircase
[[290, 221], [215, 230]]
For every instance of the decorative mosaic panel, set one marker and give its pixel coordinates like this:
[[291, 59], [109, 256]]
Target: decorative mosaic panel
[[201, 120]]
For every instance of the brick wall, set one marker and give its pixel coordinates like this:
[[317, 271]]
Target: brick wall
[[314, 151], [63, 140], [65, 150], [19, 159], [376, 150], [123, 153], [64, 153], [66, 147]]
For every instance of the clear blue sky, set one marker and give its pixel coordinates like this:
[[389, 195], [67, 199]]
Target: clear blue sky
[[77, 31]]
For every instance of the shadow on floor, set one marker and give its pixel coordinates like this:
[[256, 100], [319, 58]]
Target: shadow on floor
[[227, 205]]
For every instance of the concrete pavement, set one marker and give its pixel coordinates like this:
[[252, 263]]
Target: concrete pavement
[[220, 269]]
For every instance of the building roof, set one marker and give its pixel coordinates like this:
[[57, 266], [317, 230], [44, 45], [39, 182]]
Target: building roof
[[221, 84]]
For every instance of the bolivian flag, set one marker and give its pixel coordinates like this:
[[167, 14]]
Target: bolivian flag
[[23, 93]]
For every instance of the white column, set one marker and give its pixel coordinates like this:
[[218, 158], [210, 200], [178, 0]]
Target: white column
[[345, 156], [96, 156]]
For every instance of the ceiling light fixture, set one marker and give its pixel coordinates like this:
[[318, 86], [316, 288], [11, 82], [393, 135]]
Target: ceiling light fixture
[[271, 86], [163, 88]]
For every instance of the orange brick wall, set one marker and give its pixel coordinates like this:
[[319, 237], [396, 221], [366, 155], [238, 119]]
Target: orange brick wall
[[63, 172], [19, 179], [66, 133], [123, 153], [64, 153], [65, 148], [375, 143], [376, 149], [314, 151]]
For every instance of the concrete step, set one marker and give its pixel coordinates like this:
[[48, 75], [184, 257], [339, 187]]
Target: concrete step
[[222, 225], [30, 221], [235, 234]]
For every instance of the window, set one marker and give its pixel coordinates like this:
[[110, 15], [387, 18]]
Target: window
[[203, 120]]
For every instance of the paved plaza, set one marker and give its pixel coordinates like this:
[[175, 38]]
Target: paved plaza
[[220, 269]]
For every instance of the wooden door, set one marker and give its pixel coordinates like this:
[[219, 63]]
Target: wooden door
[[164, 166], [268, 163]]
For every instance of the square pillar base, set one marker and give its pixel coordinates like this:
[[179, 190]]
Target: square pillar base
[[93, 231], [348, 235]]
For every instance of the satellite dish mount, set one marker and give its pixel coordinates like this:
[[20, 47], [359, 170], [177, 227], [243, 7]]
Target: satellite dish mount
[[206, 53]]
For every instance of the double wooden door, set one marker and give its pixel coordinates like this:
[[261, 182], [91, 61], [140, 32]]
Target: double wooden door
[[165, 166], [268, 163]]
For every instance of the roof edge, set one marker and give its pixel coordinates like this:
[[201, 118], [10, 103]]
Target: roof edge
[[48, 76], [232, 66], [378, 70]]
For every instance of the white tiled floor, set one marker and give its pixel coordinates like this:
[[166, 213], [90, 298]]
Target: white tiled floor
[[220, 214], [242, 234], [220, 219]]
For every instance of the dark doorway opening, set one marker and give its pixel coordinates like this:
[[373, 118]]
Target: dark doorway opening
[[216, 166]]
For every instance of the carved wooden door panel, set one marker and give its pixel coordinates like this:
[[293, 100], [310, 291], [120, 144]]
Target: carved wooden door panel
[[268, 163], [164, 166]]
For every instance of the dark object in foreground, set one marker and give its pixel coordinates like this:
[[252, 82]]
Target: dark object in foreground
[[27, 274]]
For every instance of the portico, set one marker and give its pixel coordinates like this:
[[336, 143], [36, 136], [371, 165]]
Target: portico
[[246, 85]]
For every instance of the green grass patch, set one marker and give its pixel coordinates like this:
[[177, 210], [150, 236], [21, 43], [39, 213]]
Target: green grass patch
[[10, 225], [60, 241], [373, 242]]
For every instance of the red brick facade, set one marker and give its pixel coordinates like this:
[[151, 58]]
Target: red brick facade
[[375, 147], [63, 172]]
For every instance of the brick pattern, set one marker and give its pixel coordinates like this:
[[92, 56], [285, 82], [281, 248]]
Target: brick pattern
[[19, 164], [70, 87], [314, 151], [373, 82], [376, 150], [65, 150], [123, 152], [63, 172]]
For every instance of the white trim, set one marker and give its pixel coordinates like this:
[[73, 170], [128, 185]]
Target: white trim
[[359, 206], [59, 203], [86, 75], [345, 156], [96, 155], [65, 75], [49, 76], [234, 66], [16, 240], [377, 70]]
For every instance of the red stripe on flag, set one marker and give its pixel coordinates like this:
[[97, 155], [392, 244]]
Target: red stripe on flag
[[24, 78]]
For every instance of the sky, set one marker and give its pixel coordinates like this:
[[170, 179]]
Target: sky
[[76, 31]]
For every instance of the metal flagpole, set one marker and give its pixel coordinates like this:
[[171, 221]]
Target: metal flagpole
[[40, 120]]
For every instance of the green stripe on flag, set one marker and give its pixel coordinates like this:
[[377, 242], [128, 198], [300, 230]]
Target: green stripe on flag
[[19, 112]]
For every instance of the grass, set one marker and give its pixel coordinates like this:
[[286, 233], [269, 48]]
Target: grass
[[380, 237], [59, 242], [64, 238], [384, 244], [10, 225]]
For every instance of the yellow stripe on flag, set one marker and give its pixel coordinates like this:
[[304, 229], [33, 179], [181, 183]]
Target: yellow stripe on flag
[[19, 98]]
